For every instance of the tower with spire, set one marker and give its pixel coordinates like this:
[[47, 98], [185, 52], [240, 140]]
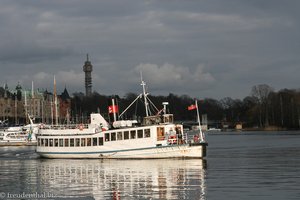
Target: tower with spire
[[88, 68]]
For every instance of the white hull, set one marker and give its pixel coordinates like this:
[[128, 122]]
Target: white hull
[[170, 151], [16, 137]]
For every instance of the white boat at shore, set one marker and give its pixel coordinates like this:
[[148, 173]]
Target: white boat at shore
[[214, 130], [157, 137], [20, 134]]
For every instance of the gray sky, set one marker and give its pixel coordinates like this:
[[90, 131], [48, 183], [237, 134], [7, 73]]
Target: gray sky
[[214, 49]]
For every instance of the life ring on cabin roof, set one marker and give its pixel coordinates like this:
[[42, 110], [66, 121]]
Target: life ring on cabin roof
[[41, 126], [81, 127]]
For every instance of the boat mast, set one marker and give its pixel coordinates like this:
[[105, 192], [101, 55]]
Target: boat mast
[[55, 101], [145, 95], [199, 123], [147, 109], [26, 106]]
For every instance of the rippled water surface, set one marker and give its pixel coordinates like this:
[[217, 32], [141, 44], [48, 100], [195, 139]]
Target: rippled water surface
[[250, 165]]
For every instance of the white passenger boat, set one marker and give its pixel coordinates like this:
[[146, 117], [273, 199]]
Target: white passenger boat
[[20, 134], [157, 137]]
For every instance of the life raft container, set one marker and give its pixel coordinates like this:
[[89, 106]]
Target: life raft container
[[172, 139]]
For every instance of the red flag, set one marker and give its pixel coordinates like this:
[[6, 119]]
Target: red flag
[[113, 109], [192, 107]]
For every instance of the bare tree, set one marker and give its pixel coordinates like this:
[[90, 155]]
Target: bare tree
[[261, 93]]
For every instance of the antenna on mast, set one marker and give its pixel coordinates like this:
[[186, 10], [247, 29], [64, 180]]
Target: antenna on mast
[[143, 83]]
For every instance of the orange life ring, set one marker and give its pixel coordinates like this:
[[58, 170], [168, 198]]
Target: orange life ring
[[41, 126]]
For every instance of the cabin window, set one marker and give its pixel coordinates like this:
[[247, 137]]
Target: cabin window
[[71, 142], [56, 142], [95, 141], [82, 142], [88, 142], [126, 135], [132, 134], [46, 142], [67, 142], [107, 138], [119, 136], [140, 133], [42, 142], [39, 142], [61, 142], [100, 141], [77, 142], [160, 133], [147, 133], [113, 136], [50, 142]]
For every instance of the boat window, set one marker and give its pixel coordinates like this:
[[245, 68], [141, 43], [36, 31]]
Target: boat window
[[140, 133], [56, 142], [160, 133], [77, 142], [50, 142], [100, 141], [46, 142], [71, 142], [107, 138], [61, 142], [42, 142], [82, 142], [113, 136], [88, 142], [147, 133], [95, 141], [132, 134], [67, 142], [39, 142], [126, 135], [119, 136]]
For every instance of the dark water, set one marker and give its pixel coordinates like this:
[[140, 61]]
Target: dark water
[[238, 166]]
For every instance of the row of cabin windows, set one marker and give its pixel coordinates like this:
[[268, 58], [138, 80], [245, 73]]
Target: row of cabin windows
[[126, 135], [95, 141], [72, 142]]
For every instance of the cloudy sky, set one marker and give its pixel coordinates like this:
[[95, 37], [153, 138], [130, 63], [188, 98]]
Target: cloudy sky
[[204, 49]]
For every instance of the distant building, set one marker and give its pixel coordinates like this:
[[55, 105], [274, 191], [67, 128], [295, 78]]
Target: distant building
[[88, 68], [239, 126], [16, 104], [64, 107]]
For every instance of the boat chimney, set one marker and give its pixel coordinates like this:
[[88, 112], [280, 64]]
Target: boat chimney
[[114, 109], [165, 106]]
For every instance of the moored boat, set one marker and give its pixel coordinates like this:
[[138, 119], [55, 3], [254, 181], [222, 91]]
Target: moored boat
[[20, 134], [157, 137]]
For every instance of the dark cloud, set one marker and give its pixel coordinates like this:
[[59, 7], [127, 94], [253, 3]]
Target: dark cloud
[[201, 48]]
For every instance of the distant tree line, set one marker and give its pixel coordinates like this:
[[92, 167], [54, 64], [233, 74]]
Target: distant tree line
[[262, 108]]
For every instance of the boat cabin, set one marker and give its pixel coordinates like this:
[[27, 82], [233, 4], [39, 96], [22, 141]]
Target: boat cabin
[[158, 119]]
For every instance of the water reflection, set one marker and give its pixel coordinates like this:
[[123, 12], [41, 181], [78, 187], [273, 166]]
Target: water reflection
[[124, 179]]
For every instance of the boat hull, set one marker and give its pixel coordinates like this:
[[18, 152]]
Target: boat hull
[[170, 151]]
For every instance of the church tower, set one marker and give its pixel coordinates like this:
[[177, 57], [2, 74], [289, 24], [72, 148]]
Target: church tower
[[88, 68]]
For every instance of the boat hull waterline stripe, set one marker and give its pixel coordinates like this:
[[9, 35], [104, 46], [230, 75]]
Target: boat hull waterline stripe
[[125, 150]]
